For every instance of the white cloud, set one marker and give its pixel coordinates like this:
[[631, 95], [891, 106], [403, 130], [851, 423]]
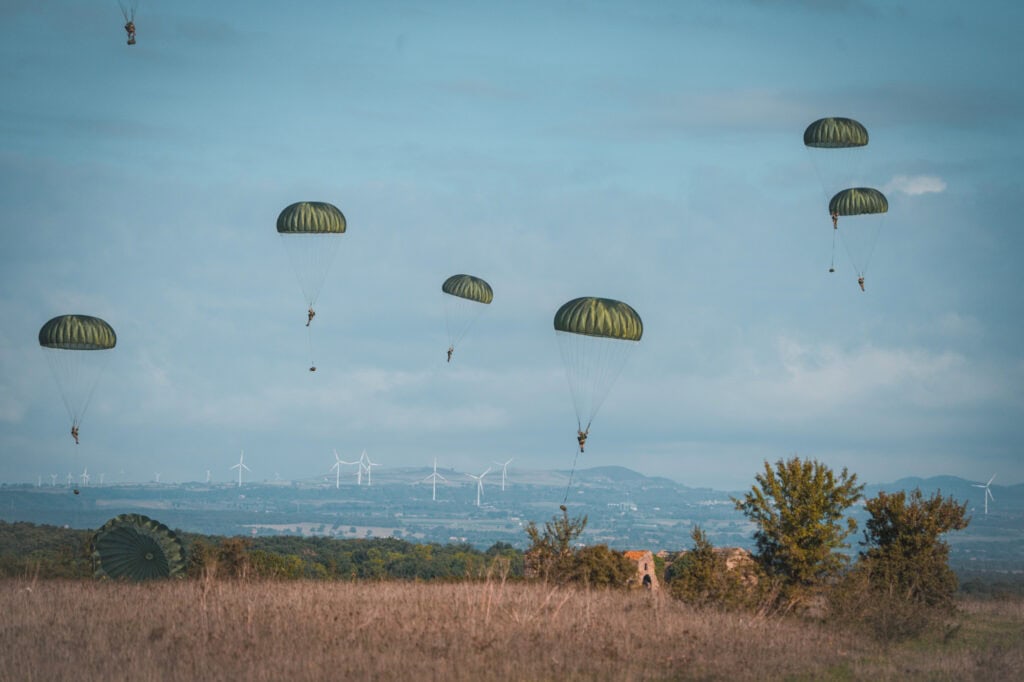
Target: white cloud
[[916, 184]]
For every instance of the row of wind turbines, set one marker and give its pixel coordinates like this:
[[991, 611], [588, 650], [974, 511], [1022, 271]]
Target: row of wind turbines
[[364, 465]]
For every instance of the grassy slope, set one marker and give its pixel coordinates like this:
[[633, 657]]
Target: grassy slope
[[223, 630]]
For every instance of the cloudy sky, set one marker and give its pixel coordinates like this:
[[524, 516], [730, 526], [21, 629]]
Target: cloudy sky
[[649, 152]]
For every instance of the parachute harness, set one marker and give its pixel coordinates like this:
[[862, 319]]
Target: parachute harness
[[576, 456]]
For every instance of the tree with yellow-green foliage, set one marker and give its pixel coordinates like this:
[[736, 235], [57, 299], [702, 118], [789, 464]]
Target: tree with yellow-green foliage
[[800, 509]]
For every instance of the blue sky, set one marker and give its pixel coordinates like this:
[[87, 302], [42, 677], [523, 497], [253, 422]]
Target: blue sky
[[649, 152]]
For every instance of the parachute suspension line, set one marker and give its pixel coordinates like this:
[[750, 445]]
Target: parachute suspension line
[[127, 10], [832, 265], [309, 347], [78, 375], [572, 473]]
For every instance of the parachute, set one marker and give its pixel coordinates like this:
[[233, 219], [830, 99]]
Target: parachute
[[836, 148], [464, 299], [71, 344], [865, 208], [310, 232], [136, 547], [595, 337], [128, 8]]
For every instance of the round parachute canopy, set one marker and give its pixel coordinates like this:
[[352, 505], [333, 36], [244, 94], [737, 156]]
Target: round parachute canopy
[[136, 547], [601, 317], [311, 217], [77, 332], [866, 208], [465, 299], [858, 201], [468, 287], [836, 148], [595, 337], [310, 231], [66, 341], [835, 133]]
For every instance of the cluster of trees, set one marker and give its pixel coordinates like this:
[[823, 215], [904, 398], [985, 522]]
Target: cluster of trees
[[27, 549], [284, 557], [554, 556], [897, 584]]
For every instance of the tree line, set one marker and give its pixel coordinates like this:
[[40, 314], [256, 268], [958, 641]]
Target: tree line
[[897, 583]]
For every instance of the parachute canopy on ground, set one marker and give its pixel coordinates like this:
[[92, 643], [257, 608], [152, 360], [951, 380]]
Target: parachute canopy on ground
[[595, 336], [136, 547], [835, 132]]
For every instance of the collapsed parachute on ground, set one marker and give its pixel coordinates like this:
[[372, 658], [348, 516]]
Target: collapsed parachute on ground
[[310, 231], [595, 337], [865, 209], [465, 298], [136, 547], [71, 344]]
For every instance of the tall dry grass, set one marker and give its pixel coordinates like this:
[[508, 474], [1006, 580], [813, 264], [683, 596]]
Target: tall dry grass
[[489, 630]]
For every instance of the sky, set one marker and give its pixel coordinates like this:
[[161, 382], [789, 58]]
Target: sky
[[649, 152]]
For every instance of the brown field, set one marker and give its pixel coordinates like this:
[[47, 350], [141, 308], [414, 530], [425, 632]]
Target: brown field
[[487, 630]]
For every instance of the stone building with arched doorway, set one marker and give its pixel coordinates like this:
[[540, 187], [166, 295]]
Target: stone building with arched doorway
[[646, 576]]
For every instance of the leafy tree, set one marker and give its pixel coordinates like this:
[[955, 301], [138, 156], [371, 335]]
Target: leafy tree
[[550, 555], [905, 557], [702, 577], [799, 509], [599, 566], [232, 557]]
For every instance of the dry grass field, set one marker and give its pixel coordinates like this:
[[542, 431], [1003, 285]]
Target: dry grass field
[[489, 630]]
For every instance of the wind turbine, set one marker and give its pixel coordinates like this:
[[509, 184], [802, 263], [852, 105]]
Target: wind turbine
[[338, 461], [988, 493], [156, 476], [102, 476], [71, 479], [479, 484], [364, 461], [207, 475], [53, 480], [504, 472], [434, 478], [84, 477], [240, 466]]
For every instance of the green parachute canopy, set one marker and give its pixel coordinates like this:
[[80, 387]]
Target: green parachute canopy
[[866, 209], [835, 133], [858, 201], [77, 332], [311, 231], [66, 341], [468, 287], [465, 299], [136, 547], [311, 217], [595, 338], [602, 317]]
